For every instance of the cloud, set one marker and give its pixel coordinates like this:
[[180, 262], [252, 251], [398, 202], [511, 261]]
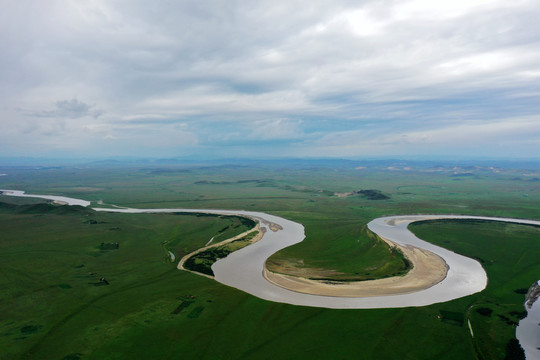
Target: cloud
[[236, 72], [73, 108], [276, 129], [505, 133], [514, 135], [69, 109]]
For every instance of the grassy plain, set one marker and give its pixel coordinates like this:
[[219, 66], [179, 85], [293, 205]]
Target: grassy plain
[[52, 308], [509, 253]]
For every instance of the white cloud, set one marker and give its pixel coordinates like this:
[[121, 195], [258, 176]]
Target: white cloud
[[205, 99], [502, 132], [276, 129], [418, 9], [511, 137]]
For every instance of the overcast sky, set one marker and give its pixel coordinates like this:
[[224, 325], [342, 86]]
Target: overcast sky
[[270, 78]]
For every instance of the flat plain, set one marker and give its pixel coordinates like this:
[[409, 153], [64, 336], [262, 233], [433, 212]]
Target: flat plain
[[54, 305]]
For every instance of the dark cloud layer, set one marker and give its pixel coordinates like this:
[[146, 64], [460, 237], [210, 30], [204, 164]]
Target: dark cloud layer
[[69, 109]]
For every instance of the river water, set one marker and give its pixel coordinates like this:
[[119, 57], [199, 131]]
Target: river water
[[528, 330], [61, 199]]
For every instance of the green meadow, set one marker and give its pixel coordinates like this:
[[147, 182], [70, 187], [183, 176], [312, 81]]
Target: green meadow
[[509, 253], [55, 305]]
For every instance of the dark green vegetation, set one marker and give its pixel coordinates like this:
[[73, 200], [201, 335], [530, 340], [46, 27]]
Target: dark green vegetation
[[373, 194], [51, 263], [202, 262], [509, 254]]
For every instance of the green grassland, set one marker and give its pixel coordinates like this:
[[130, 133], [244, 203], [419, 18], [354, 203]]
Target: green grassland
[[53, 259], [509, 253], [54, 306]]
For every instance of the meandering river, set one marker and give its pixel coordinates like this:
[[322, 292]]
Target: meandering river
[[243, 269]]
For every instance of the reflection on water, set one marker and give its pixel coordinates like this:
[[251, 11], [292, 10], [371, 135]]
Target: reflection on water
[[528, 331]]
